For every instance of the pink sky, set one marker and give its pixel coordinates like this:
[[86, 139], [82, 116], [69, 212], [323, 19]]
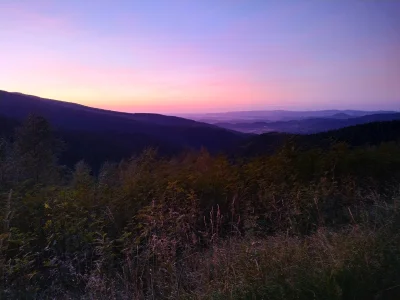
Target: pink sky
[[178, 57]]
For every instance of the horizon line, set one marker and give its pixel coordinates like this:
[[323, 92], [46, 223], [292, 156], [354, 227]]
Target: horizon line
[[201, 113]]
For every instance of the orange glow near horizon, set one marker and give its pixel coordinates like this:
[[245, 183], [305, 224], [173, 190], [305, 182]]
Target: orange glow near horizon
[[192, 57]]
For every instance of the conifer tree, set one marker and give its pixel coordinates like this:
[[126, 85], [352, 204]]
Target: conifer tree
[[36, 150]]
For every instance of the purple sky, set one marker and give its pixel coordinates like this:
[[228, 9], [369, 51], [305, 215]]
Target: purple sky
[[204, 56]]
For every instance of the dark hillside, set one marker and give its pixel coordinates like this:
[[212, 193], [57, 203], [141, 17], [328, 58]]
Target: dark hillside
[[99, 135], [357, 135], [95, 147], [76, 117], [310, 125]]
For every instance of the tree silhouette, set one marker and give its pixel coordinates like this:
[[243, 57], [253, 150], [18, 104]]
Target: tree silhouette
[[36, 150]]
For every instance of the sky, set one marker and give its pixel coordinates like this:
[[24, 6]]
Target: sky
[[193, 56]]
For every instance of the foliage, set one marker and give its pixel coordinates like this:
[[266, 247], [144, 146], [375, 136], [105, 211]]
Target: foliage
[[315, 223]]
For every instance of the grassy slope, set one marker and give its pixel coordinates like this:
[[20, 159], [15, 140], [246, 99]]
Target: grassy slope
[[312, 224]]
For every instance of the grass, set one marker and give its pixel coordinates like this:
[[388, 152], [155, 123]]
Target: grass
[[293, 225]]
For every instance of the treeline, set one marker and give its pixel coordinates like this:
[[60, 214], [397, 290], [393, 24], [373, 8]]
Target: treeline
[[298, 224], [369, 134]]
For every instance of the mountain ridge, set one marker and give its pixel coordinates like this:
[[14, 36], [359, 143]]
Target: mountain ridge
[[91, 129], [308, 125], [22, 99]]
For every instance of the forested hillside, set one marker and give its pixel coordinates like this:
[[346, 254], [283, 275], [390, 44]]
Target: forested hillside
[[99, 135], [297, 223], [310, 125], [369, 134], [95, 147]]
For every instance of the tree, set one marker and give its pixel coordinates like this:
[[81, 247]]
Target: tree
[[82, 178], [36, 150], [3, 158]]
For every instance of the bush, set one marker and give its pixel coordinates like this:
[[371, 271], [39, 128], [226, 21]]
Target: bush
[[312, 224]]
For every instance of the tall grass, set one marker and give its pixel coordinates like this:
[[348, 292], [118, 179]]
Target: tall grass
[[294, 225]]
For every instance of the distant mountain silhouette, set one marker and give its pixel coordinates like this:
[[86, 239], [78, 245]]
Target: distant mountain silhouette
[[75, 116], [277, 115], [342, 115], [309, 125], [98, 135]]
